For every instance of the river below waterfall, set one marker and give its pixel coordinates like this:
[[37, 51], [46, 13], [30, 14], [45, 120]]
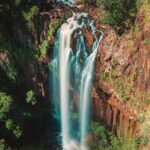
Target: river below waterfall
[[71, 78]]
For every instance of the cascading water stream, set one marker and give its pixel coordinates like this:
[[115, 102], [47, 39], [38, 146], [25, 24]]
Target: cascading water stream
[[65, 51], [72, 71], [85, 92]]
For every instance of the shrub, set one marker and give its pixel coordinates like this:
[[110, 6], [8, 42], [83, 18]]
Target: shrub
[[54, 25], [120, 14], [98, 130], [30, 97], [147, 41], [30, 16], [122, 88], [100, 140], [17, 132], [9, 124], [5, 104], [142, 140], [43, 48], [12, 73], [3, 145], [50, 36], [99, 136], [120, 143], [134, 102], [145, 128]]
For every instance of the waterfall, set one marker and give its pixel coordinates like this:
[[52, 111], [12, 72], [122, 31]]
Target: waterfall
[[67, 2], [72, 72], [85, 91]]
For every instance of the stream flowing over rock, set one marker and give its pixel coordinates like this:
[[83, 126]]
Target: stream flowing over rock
[[73, 69]]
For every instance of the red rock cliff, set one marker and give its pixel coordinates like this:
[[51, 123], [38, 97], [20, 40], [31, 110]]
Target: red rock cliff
[[121, 92]]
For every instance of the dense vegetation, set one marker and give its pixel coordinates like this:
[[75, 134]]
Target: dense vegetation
[[120, 14], [22, 110], [101, 139]]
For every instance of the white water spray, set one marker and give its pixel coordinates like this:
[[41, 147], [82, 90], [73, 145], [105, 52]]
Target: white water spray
[[65, 50], [74, 68]]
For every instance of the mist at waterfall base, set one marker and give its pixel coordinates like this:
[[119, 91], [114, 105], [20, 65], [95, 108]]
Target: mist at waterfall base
[[71, 79]]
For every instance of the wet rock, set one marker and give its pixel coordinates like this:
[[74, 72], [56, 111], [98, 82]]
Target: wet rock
[[89, 39]]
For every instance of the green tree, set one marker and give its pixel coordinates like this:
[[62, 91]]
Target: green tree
[[30, 97], [120, 14], [17, 132], [6, 102], [12, 73], [44, 48], [99, 136], [120, 143], [9, 124], [30, 16], [3, 145]]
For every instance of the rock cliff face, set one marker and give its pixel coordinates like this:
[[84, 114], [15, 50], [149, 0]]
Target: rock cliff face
[[30, 42], [121, 90], [36, 70]]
